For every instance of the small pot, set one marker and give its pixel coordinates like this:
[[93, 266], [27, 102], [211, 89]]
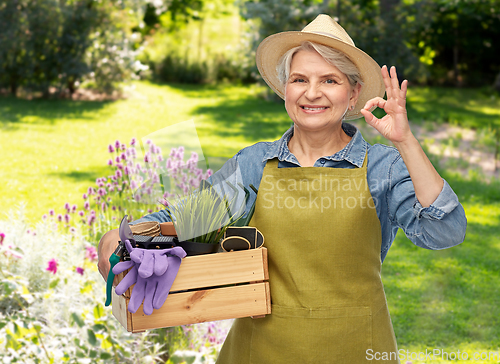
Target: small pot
[[195, 248]]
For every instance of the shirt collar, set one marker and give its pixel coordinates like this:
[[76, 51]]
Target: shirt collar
[[354, 152]]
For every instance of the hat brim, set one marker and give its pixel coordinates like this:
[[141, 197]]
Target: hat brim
[[273, 47]]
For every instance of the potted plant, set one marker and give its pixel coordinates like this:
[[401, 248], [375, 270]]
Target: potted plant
[[201, 218]]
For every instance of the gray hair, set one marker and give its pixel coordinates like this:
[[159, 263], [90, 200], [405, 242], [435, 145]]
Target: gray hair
[[330, 55]]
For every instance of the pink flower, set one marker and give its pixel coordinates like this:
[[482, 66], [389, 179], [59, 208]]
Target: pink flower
[[90, 253], [44, 217], [133, 141], [123, 147], [110, 162], [66, 206], [123, 156], [2, 238], [67, 218], [81, 213], [59, 217], [51, 212], [85, 196], [73, 208], [79, 270], [111, 149], [117, 144], [52, 266], [86, 205]]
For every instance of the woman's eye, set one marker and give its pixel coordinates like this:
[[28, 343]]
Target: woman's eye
[[331, 81], [299, 80]]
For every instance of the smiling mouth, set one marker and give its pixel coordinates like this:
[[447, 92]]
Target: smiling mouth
[[314, 108]]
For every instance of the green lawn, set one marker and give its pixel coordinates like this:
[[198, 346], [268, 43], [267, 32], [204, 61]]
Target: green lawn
[[52, 151]]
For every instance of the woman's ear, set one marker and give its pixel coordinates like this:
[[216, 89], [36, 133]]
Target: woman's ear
[[355, 94]]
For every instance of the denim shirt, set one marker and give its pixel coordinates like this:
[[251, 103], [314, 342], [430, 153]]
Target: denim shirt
[[439, 226]]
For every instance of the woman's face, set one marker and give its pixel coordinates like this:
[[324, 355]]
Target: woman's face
[[317, 94]]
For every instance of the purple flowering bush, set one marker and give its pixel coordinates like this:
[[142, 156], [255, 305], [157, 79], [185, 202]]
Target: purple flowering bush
[[51, 294], [135, 187]]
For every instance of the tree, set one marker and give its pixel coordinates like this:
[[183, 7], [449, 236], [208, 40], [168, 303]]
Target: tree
[[48, 44]]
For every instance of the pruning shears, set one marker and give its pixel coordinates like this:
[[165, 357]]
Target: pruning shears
[[125, 234]]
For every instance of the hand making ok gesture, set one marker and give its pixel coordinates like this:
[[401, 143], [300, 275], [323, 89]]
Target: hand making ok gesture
[[393, 126]]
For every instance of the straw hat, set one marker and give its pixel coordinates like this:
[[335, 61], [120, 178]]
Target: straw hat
[[323, 30]]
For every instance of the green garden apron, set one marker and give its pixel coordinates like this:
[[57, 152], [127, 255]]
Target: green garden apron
[[328, 303]]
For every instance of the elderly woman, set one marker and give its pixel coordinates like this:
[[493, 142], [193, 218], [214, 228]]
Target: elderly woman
[[329, 204]]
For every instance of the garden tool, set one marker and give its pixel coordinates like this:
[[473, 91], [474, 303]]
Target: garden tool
[[153, 272], [125, 234]]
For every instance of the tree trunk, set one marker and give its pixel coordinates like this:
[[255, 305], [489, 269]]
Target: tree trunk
[[496, 85], [71, 87], [13, 88], [456, 73]]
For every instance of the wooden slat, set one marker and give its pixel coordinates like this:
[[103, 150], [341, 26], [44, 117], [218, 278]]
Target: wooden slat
[[206, 305], [220, 269], [119, 306]]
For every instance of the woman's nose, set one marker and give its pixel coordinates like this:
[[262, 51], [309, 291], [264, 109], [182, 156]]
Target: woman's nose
[[313, 91]]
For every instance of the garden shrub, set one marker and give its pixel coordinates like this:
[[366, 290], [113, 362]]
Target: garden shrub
[[51, 294]]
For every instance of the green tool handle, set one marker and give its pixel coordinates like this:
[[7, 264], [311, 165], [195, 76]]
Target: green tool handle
[[113, 259]]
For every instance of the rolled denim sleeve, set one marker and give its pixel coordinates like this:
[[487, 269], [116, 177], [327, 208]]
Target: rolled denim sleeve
[[159, 216], [438, 226]]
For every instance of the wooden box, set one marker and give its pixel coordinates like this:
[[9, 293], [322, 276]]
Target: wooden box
[[208, 287]]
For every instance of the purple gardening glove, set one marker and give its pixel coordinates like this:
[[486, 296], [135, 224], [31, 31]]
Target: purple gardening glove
[[153, 272]]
